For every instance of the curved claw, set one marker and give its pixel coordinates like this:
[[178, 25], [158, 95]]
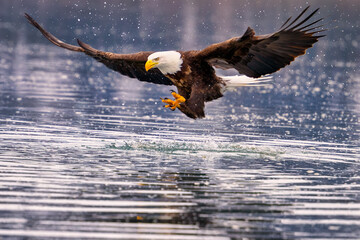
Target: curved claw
[[170, 103]]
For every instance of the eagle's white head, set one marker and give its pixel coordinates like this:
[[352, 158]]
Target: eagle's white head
[[168, 62]]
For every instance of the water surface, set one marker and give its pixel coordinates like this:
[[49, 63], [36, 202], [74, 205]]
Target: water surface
[[86, 153]]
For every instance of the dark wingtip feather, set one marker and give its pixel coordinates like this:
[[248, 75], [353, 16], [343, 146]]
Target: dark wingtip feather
[[81, 44], [285, 22], [86, 47], [51, 37], [296, 24], [32, 21], [315, 32], [27, 15], [303, 21], [297, 18], [309, 25]]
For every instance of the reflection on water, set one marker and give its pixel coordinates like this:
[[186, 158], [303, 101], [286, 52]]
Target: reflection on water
[[87, 153]]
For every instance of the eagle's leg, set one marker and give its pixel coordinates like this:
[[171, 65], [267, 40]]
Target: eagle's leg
[[173, 104]]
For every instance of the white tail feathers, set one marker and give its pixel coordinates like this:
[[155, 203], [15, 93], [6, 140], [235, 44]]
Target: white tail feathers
[[242, 81]]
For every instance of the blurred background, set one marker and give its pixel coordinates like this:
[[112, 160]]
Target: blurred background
[[88, 153]]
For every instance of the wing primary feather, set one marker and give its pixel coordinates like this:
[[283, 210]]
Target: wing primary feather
[[51, 37], [312, 14], [309, 29], [88, 49], [302, 13], [323, 30], [285, 23], [299, 29]]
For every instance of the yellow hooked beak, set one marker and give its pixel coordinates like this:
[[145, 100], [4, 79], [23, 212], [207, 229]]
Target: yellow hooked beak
[[150, 64]]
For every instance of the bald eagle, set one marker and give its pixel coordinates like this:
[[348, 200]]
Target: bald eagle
[[192, 72]]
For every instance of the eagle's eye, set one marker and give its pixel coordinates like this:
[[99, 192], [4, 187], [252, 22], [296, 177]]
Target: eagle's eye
[[157, 59]]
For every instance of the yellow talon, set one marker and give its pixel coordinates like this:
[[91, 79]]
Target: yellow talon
[[178, 97], [166, 100], [173, 104]]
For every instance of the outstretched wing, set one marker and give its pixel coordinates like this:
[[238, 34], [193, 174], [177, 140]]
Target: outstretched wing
[[255, 56], [131, 65]]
